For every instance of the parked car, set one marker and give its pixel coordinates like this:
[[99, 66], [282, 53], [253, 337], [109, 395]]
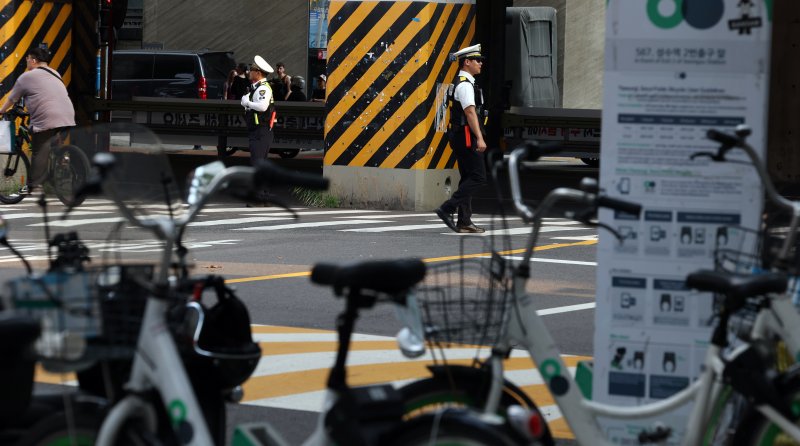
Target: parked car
[[170, 73]]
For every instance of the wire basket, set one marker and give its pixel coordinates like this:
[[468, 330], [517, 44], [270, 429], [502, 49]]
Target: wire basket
[[86, 316], [465, 302], [743, 250]]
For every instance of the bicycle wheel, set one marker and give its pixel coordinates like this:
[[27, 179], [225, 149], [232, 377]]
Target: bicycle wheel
[[58, 430], [459, 386], [757, 430], [69, 172], [14, 177]]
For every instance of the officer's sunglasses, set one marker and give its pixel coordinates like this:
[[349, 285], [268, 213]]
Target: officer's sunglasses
[[476, 59]]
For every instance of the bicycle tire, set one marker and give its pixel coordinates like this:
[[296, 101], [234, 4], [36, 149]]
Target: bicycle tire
[[444, 429], [461, 389], [81, 430], [757, 430], [69, 173], [11, 182]]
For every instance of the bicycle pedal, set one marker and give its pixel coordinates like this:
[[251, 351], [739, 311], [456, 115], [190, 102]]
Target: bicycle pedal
[[658, 434]]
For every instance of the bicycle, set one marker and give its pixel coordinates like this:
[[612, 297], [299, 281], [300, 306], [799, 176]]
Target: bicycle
[[162, 401], [512, 320], [67, 166]]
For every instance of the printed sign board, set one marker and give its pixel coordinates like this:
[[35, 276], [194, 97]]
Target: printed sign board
[[674, 69]]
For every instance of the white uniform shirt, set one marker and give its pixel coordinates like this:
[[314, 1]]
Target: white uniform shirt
[[261, 98], [465, 91]]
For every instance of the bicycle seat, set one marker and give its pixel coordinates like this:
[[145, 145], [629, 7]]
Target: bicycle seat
[[385, 276], [735, 287], [22, 329]]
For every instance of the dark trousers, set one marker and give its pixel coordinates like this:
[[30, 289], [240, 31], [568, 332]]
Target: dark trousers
[[473, 175], [41, 143], [260, 141]]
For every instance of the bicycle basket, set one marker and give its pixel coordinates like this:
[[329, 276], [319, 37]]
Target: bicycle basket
[[747, 251], [86, 315], [465, 302]]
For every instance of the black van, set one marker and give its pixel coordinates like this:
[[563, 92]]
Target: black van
[[170, 73]]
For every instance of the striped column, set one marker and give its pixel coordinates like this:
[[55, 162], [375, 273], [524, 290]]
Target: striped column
[[26, 24], [387, 70]]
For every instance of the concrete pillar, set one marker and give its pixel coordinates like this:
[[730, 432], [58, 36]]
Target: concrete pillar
[[387, 70]]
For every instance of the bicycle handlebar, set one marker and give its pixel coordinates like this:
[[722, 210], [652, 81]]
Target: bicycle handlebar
[[616, 204], [729, 142]]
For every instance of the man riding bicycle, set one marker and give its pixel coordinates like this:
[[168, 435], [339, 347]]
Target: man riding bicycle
[[51, 110]]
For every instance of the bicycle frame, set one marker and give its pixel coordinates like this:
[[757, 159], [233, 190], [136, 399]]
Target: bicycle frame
[[527, 329], [157, 365]]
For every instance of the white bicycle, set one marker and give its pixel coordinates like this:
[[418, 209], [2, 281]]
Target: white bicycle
[[507, 318]]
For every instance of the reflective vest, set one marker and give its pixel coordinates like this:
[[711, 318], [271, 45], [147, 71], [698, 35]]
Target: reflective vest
[[457, 117], [265, 118]]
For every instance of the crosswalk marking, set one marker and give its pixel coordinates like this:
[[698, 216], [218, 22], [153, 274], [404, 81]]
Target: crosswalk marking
[[295, 363], [394, 228], [236, 221], [311, 225], [232, 217]]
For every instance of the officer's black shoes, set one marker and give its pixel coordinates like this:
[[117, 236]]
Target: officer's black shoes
[[446, 218], [470, 229]]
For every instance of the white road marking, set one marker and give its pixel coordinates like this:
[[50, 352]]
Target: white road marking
[[236, 221], [52, 215], [311, 225], [395, 228], [74, 223], [566, 309], [559, 261], [396, 216], [518, 231], [579, 238]]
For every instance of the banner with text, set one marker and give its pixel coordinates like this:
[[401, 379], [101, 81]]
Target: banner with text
[[674, 69]]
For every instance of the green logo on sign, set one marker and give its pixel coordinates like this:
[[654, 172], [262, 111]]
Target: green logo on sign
[[662, 21]]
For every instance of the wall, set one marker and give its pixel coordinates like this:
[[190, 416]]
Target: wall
[[277, 30], [584, 52]]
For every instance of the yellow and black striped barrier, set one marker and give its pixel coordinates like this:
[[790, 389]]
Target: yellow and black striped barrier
[[67, 29], [387, 61], [27, 24]]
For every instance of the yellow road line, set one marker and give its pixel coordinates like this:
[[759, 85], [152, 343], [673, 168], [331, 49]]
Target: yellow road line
[[285, 348], [428, 260]]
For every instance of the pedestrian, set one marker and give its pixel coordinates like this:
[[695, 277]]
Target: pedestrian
[[259, 108], [298, 85], [239, 83], [281, 83], [465, 133], [48, 103], [318, 95]]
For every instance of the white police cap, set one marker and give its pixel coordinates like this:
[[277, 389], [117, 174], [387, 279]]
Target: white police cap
[[262, 65], [470, 52]]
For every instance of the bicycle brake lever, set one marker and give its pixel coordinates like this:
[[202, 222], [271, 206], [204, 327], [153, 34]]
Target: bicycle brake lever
[[613, 231]]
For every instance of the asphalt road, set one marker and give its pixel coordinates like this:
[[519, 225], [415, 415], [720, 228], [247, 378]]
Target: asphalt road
[[268, 255]]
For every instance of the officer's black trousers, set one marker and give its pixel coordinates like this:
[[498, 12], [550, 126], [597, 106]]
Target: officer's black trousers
[[473, 175], [260, 141]]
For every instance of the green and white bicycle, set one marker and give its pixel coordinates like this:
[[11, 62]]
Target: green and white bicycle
[[506, 317]]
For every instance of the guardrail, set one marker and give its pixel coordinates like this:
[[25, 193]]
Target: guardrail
[[203, 122], [300, 125], [577, 129]]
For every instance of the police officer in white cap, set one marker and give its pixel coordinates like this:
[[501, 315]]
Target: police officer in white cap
[[465, 132], [259, 107]]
